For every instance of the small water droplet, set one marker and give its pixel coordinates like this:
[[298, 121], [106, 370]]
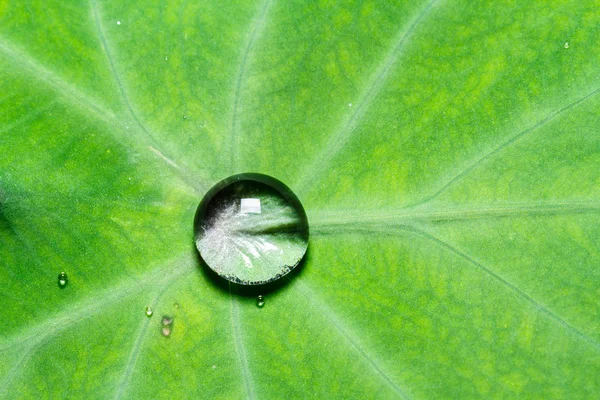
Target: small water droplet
[[566, 45], [118, 22], [166, 58], [260, 301], [176, 305], [184, 116], [62, 279], [149, 311], [349, 104], [167, 320], [166, 331], [214, 366]]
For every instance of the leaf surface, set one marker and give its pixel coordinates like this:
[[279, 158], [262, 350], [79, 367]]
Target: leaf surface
[[445, 152]]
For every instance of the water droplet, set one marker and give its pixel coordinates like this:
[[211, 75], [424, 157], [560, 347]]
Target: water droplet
[[166, 58], [251, 229], [184, 116], [167, 325], [176, 305], [214, 366], [118, 22], [149, 311], [260, 301], [62, 279], [566, 45], [349, 104]]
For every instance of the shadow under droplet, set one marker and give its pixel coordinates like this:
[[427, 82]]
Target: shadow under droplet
[[252, 290]]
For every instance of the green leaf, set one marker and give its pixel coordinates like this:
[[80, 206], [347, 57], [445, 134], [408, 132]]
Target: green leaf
[[446, 153]]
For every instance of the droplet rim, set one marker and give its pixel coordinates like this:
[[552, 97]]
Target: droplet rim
[[282, 189]]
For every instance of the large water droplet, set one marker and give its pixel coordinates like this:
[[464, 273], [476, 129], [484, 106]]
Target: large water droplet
[[62, 279], [260, 301], [251, 229], [149, 311]]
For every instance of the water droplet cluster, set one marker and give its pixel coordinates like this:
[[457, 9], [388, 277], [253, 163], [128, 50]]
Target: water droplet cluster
[[166, 326], [260, 301]]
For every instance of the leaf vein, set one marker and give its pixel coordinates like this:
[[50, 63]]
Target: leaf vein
[[240, 347], [342, 135], [309, 294], [512, 287], [506, 144], [255, 29]]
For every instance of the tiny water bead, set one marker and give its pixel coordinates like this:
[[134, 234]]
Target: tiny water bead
[[251, 229], [260, 301], [149, 311], [118, 22], [566, 45], [62, 279]]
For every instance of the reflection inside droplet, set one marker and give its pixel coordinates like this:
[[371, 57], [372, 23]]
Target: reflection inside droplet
[[251, 229]]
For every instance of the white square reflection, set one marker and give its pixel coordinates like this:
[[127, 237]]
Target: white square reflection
[[250, 206]]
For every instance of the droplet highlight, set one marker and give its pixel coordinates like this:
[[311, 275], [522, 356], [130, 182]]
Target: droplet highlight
[[251, 229], [118, 22], [62, 279], [566, 45], [149, 311], [260, 301]]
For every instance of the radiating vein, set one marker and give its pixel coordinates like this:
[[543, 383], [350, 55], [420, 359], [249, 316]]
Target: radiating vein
[[139, 339], [240, 347], [256, 27], [75, 96], [512, 287], [34, 337], [314, 300], [153, 143], [506, 144], [342, 221], [81, 100], [343, 133]]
